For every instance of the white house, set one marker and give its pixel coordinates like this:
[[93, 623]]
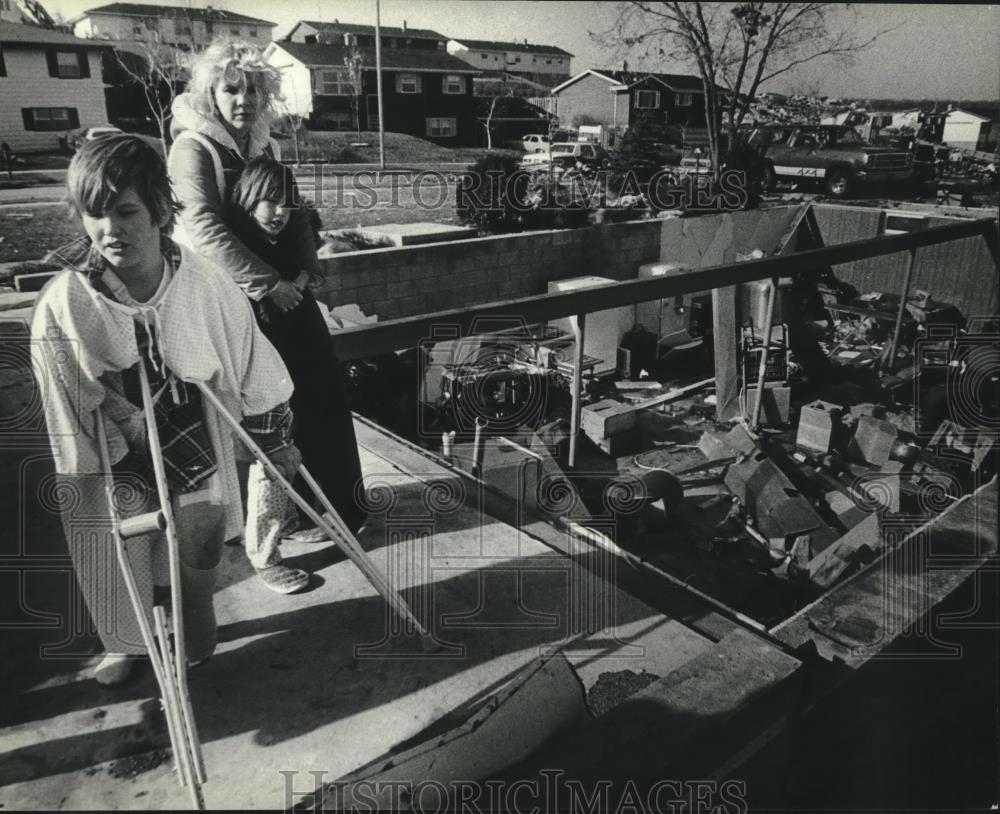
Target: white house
[[965, 129], [50, 83], [546, 64], [182, 26]]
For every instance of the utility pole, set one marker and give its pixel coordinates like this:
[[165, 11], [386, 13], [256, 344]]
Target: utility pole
[[378, 80]]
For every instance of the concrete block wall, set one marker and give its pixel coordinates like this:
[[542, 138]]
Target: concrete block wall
[[410, 280]]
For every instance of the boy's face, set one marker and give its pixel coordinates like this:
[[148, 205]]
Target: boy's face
[[271, 217], [126, 235]]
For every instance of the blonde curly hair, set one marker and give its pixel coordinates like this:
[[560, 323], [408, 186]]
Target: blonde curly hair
[[237, 62]]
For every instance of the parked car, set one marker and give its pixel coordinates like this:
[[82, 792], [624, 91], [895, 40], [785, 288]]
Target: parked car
[[78, 140], [833, 154], [535, 143], [570, 153]]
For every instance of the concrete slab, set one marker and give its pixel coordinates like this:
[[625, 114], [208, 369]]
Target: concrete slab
[[326, 681], [414, 234]]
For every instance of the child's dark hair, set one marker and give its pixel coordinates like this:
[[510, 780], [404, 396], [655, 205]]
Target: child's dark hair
[[105, 167], [264, 179]]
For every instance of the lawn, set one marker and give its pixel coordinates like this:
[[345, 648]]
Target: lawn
[[29, 233], [342, 147]]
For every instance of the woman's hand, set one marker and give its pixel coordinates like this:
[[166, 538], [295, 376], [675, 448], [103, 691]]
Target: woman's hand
[[285, 295]]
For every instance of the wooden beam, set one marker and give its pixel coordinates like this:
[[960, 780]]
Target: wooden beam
[[382, 337]]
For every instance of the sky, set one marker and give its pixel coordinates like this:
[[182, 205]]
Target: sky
[[935, 51]]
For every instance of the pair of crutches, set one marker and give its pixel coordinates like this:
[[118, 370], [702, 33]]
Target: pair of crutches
[[170, 664]]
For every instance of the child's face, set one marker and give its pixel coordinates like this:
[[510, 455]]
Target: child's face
[[271, 216], [126, 235]]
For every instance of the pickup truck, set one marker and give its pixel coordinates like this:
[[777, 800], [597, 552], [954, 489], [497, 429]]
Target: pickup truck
[[832, 154]]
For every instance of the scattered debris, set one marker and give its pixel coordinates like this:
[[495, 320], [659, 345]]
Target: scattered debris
[[134, 765], [613, 688]]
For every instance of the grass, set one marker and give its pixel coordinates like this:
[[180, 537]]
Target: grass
[[30, 233], [341, 147]]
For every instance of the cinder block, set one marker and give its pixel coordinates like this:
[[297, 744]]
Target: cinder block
[[873, 440], [606, 418]]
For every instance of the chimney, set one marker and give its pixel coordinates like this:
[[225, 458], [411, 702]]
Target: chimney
[[625, 66], [525, 40], [404, 25]]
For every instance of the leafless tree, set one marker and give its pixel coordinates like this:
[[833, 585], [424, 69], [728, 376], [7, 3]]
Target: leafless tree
[[499, 90], [354, 63], [159, 70], [736, 47]]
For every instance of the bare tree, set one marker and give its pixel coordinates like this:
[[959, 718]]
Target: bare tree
[[736, 47], [354, 63], [159, 70], [498, 90]]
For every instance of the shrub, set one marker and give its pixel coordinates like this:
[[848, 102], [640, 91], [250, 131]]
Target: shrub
[[638, 154], [490, 193]]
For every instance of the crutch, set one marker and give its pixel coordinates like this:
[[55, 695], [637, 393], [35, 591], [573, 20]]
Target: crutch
[[170, 668], [331, 524]]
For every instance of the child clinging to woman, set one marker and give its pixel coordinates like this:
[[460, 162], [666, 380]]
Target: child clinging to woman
[[260, 208]]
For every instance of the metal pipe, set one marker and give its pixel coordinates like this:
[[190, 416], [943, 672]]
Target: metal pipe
[[579, 324], [772, 293], [889, 360], [378, 85]]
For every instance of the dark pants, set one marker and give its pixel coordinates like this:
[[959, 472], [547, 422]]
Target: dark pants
[[323, 428]]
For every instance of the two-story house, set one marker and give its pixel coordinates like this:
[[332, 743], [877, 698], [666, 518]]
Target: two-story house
[[50, 83], [179, 26], [311, 32], [545, 65], [616, 99], [426, 93]]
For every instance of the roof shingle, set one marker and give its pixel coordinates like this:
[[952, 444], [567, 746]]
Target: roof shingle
[[385, 30], [320, 55], [523, 47], [144, 10], [12, 33]]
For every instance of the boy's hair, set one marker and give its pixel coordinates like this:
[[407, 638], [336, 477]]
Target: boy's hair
[[264, 179], [106, 166], [236, 61]]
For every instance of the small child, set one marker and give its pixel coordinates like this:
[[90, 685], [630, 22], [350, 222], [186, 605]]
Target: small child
[[264, 199], [128, 297]]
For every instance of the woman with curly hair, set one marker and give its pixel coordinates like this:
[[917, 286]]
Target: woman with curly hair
[[219, 125]]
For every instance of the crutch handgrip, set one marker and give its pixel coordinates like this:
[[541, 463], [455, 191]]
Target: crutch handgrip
[[141, 524]]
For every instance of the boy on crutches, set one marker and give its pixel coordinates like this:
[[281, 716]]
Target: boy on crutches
[[130, 297]]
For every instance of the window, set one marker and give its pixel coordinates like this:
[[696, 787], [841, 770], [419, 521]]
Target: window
[[548, 62], [684, 99], [252, 32], [336, 120], [647, 99], [182, 28], [334, 83], [50, 118], [3, 65], [441, 128], [234, 30], [484, 56], [138, 30], [68, 64], [453, 84], [407, 83]]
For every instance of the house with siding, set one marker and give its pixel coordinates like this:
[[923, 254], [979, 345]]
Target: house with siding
[[179, 26], [311, 32], [546, 65], [50, 83], [616, 99], [426, 93]]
